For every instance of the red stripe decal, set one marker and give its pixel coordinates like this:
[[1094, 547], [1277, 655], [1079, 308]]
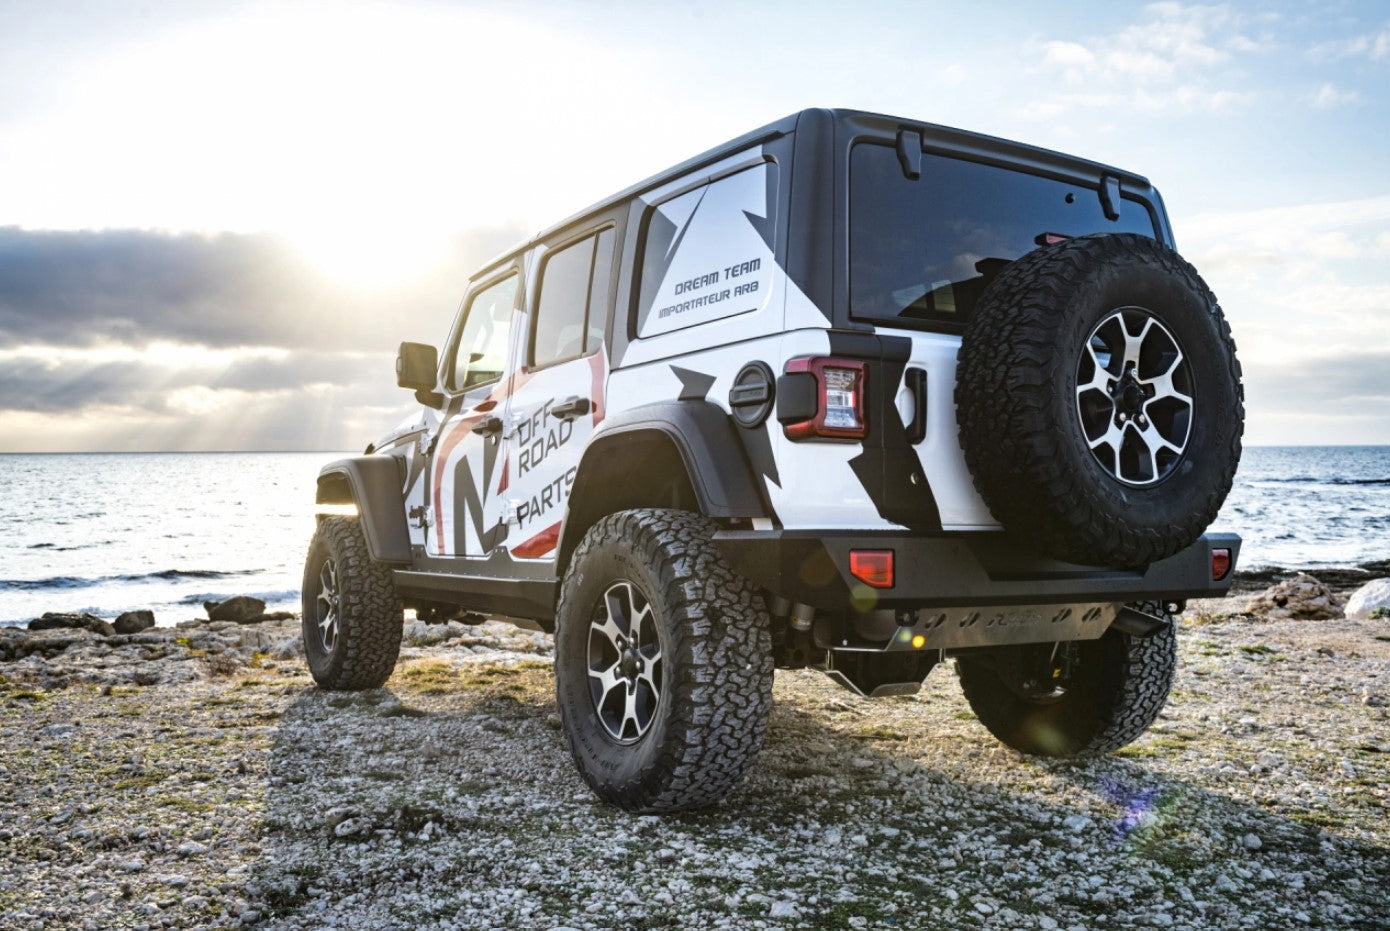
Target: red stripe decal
[[459, 430], [540, 544], [596, 397]]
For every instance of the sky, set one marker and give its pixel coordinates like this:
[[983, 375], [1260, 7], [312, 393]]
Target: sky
[[218, 220]]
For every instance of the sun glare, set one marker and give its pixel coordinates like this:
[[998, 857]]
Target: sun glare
[[373, 255]]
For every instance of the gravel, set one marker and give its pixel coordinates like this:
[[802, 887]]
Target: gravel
[[198, 779]]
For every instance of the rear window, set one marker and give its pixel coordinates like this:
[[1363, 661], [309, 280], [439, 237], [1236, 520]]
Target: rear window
[[922, 251]]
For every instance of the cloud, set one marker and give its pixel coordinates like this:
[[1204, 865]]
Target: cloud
[[1249, 241], [1329, 96], [144, 340], [1352, 381], [1374, 46], [1171, 59], [132, 287], [37, 381], [188, 397]]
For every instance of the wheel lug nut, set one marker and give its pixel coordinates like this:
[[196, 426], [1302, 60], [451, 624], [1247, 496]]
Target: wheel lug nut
[[1123, 417]]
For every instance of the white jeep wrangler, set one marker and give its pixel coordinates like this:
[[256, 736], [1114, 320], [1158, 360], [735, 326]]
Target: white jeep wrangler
[[849, 392]]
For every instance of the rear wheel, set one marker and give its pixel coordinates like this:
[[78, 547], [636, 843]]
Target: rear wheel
[[1073, 699], [352, 616], [663, 663]]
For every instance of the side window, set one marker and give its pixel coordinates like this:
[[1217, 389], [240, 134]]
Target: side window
[[599, 290], [708, 253], [570, 309], [481, 353]]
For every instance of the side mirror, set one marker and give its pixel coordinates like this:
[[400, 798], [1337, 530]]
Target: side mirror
[[417, 368]]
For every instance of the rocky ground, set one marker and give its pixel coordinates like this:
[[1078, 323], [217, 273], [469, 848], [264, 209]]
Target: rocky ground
[[193, 777]]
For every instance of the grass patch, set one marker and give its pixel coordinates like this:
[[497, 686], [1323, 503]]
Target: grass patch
[[429, 677], [1255, 649], [142, 781], [402, 710], [1321, 820], [186, 805], [879, 732], [221, 702], [1158, 744], [25, 695]]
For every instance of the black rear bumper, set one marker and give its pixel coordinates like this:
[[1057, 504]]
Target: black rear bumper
[[961, 569]]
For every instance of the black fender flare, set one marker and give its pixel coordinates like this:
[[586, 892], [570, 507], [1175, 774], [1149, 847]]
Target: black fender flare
[[709, 445], [703, 436], [373, 483]]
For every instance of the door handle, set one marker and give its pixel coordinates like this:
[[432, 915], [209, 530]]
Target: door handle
[[917, 384], [570, 407], [488, 426]]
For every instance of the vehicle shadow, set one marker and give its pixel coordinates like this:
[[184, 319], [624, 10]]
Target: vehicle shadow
[[459, 806]]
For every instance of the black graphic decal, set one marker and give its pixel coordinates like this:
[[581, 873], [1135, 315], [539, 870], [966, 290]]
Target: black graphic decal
[[468, 506], [417, 466], [889, 468], [662, 242], [694, 385], [758, 444]]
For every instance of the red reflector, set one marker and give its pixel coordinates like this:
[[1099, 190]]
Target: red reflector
[[872, 567], [1220, 564]]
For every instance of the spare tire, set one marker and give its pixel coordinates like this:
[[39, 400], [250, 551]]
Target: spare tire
[[1100, 402]]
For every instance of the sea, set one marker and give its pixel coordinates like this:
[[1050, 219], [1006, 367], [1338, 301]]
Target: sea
[[111, 532]]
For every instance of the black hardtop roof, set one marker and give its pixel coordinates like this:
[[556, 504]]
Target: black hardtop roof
[[947, 136]]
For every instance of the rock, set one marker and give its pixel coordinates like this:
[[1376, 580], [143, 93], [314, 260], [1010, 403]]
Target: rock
[[192, 849], [1368, 598], [421, 634], [57, 621], [782, 910], [1252, 842], [132, 622], [1301, 598], [352, 827], [289, 648], [1076, 822], [242, 609]]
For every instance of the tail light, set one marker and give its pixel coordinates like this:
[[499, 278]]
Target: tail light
[[1220, 564], [835, 407]]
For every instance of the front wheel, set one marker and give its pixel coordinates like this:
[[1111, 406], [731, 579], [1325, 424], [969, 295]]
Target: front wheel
[[663, 663], [1083, 698], [352, 617]]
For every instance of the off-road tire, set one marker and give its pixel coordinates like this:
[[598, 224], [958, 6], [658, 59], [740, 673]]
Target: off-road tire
[[1016, 400], [370, 615], [1121, 684], [716, 694]]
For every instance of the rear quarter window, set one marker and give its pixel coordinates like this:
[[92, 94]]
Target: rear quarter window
[[921, 251], [707, 254]]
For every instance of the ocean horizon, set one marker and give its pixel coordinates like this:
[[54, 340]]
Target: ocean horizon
[[105, 532]]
